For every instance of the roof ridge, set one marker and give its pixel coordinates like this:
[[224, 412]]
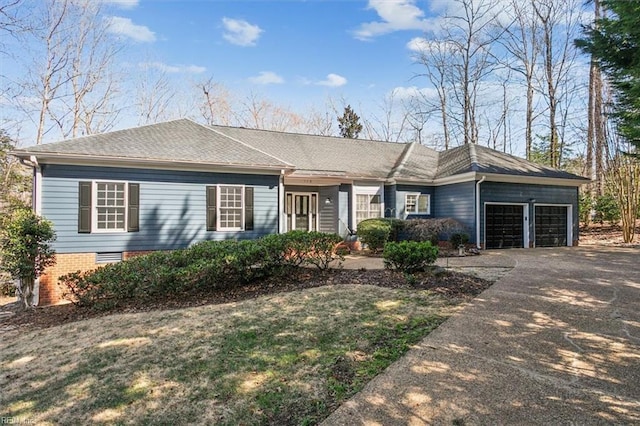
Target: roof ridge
[[473, 157], [210, 128], [402, 159]]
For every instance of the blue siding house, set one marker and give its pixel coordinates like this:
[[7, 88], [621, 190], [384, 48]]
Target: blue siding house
[[165, 186]]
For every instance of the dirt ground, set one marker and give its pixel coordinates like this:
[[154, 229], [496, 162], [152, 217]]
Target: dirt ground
[[606, 234]]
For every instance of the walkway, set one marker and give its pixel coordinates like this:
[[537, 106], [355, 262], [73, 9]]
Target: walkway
[[555, 341]]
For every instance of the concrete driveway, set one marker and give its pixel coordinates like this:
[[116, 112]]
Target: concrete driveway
[[555, 341]]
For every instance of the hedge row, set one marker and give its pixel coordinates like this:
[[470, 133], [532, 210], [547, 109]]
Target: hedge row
[[205, 266], [376, 232]]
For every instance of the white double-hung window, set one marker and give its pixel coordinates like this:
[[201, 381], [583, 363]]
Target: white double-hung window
[[230, 207], [368, 202], [417, 204], [110, 206]]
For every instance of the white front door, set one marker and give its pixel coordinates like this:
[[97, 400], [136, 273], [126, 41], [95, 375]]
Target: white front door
[[302, 211]]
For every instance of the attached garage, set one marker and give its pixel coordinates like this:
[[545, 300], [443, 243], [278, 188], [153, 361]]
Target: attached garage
[[551, 226], [504, 226]]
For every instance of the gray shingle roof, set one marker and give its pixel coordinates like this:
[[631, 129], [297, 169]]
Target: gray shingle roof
[[189, 142], [178, 141], [477, 158], [356, 157]]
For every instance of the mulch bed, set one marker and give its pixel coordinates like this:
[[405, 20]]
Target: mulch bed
[[448, 283]]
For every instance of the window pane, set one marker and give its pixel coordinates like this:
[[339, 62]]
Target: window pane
[[423, 203], [231, 205], [110, 205]]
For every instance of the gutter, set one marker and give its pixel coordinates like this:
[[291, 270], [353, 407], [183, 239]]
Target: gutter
[[478, 211]]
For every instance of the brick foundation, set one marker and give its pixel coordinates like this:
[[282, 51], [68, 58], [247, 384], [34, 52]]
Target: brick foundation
[[50, 293]]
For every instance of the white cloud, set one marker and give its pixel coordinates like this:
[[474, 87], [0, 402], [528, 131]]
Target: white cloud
[[173, 69], [420, 44], [126, 27], [266, 77], [396, 15], [332, 80], [123, 4], [406, 93], [240, 32]]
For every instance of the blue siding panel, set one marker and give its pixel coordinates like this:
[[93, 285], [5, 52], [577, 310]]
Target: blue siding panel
[[496, 192], [172, 208], [456, 201], [328, 212], [390, 208]]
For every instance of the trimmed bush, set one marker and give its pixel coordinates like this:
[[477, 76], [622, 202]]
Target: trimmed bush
[[374, 233], [432, 230], [458, 239], [409, 256], [205, 266]]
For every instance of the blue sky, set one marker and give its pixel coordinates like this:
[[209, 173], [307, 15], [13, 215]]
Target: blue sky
[[295, 53]]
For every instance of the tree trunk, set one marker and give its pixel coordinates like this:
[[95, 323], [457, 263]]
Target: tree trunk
[[25, 292]]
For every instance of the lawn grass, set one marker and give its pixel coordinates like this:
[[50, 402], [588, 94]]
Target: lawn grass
[[288, 358]]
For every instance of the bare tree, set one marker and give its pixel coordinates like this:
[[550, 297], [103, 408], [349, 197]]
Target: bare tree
[[521, 40], [436, 58], [623, 179], [155, 95], [93, 81], [390, 123], [457, 60], [216, 106], [318, 122], [69, 61], [596, 129], [12, 21], [559, 25]]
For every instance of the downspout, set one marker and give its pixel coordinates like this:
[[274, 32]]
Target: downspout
[[281, 202], [478, 211], [36, 199]]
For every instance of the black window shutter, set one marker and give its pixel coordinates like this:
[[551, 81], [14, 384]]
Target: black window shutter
[[84, 207], [248, 209], [211, 208], [133, 209]]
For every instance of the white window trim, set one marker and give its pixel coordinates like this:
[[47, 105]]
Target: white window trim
[[317, 212], [219, 227], [417, 195], [365, 190], [94, 207]]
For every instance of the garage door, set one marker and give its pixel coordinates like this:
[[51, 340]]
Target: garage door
[[504, 226], [551, 226]]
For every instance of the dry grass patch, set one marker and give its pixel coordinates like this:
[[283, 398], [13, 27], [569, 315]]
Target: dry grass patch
[[288, 358]]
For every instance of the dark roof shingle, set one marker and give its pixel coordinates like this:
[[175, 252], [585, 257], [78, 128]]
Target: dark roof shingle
[[189, 142]]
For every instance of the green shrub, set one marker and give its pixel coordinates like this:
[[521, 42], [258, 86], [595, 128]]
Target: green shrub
[[320, 249], [409, 256], [585, 206], [207, 265], [607, 209], [374, 233], [458, 239], [26, 250]]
